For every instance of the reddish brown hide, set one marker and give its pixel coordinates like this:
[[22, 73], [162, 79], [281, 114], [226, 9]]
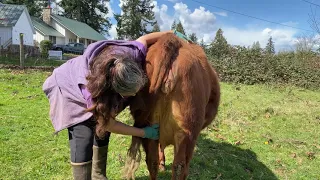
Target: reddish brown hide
[[183, 95]]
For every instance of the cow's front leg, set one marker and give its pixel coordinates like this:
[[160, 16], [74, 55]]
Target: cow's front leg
[[152, 156], [184, 147]]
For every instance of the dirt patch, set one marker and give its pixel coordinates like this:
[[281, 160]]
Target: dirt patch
[[43, 68]]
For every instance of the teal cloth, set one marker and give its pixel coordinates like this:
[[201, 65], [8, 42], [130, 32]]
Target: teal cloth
[[182, 36]]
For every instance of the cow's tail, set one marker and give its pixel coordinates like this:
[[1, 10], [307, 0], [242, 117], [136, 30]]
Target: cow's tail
[[133, 158], [165, 51]]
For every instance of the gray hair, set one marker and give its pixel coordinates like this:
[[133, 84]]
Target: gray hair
[[128, 76]]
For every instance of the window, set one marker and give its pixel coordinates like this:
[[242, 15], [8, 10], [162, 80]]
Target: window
[[72, 40], [53, 39], [81, 41]]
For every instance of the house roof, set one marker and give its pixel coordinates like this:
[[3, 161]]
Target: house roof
[[80, 29], [44, 28], [10, 14]]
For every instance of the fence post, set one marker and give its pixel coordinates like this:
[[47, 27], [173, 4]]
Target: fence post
[[21, 51]]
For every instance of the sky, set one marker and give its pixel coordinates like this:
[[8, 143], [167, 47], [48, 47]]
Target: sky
[[202, 18], [199, 17]]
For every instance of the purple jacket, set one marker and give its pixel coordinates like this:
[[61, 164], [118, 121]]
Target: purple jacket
[[66, 98]]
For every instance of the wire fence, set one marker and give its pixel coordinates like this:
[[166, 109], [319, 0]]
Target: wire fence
[[13, 59]]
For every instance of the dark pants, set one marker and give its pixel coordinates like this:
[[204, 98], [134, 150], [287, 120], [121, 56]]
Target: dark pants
[[81, 140]]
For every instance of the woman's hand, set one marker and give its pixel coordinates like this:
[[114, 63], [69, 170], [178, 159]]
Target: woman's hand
[[151, 38], [151, 132]]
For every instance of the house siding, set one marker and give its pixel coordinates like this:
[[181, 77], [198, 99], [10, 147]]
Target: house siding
[[23, 26], [61, 30], [60, 40], [5, 34], [38, 37], [58, 27], [70, 37]]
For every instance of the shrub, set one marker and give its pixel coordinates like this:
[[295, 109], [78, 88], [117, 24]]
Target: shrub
[[45, 46], [251, 66]]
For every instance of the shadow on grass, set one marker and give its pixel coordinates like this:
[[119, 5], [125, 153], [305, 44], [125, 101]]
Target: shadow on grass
[[219, 160]]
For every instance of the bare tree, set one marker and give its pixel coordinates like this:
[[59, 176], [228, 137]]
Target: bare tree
[[314, 21], [306, 43]]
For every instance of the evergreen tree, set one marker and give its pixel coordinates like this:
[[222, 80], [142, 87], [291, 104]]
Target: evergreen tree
[[219, 46], [180, 28], [270, 47], [193, 37], [137, 15], [174, 25], [202, 44], [156, 28], [256, 46], [34, 7], [91, 12]]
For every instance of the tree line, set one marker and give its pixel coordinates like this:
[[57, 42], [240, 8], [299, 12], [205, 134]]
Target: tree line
[[137, 19]]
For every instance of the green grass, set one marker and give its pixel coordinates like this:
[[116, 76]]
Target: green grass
[[262, 132], [32, 61]]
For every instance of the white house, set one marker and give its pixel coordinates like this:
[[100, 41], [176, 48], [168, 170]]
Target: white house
[[15, 19], [62, 30]]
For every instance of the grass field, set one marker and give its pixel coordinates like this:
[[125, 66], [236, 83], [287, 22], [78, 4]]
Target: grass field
[[34, 61], [262, 132]]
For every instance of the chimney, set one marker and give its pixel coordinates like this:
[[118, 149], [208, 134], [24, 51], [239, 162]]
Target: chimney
[[47, 14]]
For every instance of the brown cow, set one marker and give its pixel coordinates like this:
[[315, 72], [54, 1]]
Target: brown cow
[[182, 95]]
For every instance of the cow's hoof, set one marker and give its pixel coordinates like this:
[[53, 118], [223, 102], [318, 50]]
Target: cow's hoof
[[162, 167]]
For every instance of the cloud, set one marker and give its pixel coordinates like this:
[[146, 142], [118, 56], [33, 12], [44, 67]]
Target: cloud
[[113, 32], [282, 37], [203, 23], [164, 20], [110, 11], [121, 3], [199, 21]]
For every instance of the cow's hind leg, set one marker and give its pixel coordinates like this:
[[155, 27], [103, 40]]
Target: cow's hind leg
[[184, 146], [152, 156], [162, 159]]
